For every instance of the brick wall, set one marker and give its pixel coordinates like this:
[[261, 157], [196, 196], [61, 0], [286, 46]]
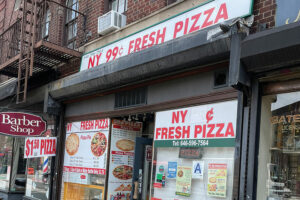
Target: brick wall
[[92, 10], [264, 14], [137, 9]]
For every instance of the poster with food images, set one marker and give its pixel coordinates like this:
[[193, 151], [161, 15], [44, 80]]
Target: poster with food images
[[184, 181], [217, 178], [123, 136], [86, 149]]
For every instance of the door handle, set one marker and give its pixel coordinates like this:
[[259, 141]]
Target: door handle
[[136, 187]]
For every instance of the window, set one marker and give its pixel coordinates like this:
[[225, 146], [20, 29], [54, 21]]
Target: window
[[18, 179], [45, 30], [71, 23], [194, 164], [17, 4], [38, 174], [279, 147], [5, 161], [119, 6]]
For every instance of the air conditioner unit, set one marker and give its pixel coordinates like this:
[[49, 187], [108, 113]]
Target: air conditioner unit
[[110, 21]]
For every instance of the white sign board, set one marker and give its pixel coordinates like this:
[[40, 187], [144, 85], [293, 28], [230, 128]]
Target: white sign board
[[86, 147], [211, 125], [39, 147], [123, 136], [201, 17]]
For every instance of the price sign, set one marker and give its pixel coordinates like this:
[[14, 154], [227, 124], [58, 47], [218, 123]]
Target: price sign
[[39, 147]]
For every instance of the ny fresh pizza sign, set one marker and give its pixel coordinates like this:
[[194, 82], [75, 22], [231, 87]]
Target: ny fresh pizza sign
[[212, 125], [199, 18]]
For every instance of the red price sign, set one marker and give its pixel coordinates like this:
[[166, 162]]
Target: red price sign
[[40, 147]]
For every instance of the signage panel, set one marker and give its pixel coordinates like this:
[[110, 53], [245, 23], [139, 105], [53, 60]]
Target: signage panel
[[36, 147], [86, 147], [21, 124], [201, 17], [211, 125]]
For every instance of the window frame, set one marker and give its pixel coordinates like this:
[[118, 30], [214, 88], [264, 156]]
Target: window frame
[[71, 23]]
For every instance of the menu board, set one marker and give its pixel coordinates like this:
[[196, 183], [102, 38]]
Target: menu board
[[86, 148], [217, 178], [184, 181], [121, 158]]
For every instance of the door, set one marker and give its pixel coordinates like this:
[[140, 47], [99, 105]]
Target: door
[[141, 168]]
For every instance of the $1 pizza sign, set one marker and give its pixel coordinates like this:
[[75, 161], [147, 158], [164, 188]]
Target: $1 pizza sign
[[40, 147]]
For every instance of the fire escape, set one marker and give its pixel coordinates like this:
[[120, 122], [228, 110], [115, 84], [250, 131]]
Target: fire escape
[[25, 52]]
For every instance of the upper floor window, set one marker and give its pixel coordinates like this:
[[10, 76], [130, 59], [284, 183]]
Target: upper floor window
[[118, 5], [17, 4], [71, 23], [46, 23]]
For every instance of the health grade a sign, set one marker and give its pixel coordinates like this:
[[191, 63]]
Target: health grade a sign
[[212, 125], [208, 14]]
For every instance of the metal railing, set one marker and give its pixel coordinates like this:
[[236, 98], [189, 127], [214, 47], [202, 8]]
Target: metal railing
[[10, 42], [51, 26]]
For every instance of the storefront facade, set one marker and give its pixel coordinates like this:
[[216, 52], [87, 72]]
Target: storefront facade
[[154, 116]]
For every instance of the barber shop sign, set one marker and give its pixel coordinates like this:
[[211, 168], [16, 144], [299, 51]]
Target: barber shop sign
[[21, 124]]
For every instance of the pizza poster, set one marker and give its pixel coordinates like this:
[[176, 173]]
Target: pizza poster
[[217, 178], [86, 148], [184, 181], [123, 136]]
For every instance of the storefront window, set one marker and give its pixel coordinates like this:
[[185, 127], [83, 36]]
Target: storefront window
[[38, 173], [5, 161], [279, 147], [18, 178], [198, 173], [38, 178], [194, 152], [85, 160]]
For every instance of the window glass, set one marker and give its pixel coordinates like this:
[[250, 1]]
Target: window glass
[[279, 147], [173, 174], [46, 24], [71, 23], [5, 161], [194, 150], [38, 174], [119, 6], [17, 4], [85, 160], [18, 179]]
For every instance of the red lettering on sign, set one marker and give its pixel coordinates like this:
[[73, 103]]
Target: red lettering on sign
[[91, 63], [42, 147], [219, 131], [157, 133], [178, 28], [137, 44], [198, 130], [186, 25], [178, 132], [186, 132], [210, 130], [161, 36], [222, 13], [195, 18], [207, 22], [164, 133], [145, 40], [130, 46], [229, 130], [151, 39], [171, 132]]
